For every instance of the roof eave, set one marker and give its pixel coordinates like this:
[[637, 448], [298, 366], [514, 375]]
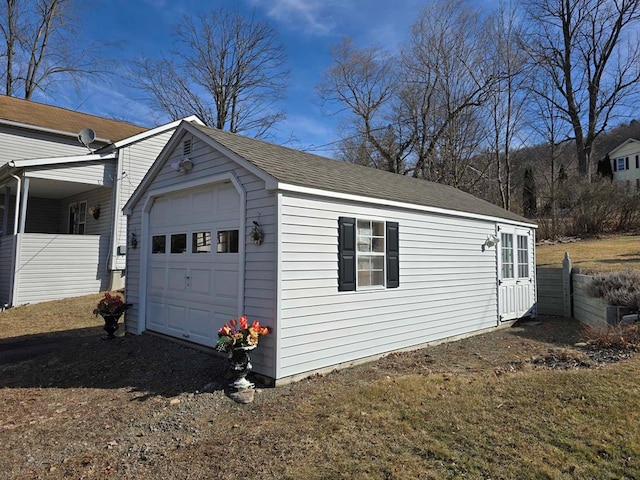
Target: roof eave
[[287, 187]]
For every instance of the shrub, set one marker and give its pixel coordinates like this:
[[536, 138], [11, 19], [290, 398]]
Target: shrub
[[623, 337], [619, 288]]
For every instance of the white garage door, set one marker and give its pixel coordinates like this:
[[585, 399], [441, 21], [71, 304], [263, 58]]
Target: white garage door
[[193, 264]]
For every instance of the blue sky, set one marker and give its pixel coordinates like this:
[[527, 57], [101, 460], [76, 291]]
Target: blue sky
[[307, 29]]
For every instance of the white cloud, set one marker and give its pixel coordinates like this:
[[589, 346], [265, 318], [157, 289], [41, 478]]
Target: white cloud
[[314, 16]]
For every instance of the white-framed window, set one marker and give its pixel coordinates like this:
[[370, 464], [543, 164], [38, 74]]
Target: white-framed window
[[621, 163], [370, 253], [77, 218], [514, 257]]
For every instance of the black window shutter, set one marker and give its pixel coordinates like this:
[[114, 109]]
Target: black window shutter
[[393, 255], [626, 163], [346, 254], [637, 161], [615, 164]]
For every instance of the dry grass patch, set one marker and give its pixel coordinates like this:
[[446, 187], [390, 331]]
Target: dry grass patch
[[607, 254], [58, 316], [135, 408]]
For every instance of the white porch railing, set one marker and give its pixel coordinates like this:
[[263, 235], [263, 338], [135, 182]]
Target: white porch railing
[[52, 266]]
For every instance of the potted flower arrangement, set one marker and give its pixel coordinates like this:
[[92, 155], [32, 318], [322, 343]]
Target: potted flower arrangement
[[111, 308], [237, 338], [94, 210]]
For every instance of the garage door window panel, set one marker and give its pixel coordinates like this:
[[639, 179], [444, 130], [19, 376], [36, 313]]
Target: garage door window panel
[[227, 241], [178, 243], [201, 242], [159, 244]]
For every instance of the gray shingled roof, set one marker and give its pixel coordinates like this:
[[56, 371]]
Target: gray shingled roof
[[309, 170]]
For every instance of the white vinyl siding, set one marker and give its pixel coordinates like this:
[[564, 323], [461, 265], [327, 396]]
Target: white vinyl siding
[[447, 285], [134, 161], [260, 260], [47, 272], [98, 196], [91, 173], [20, 144]]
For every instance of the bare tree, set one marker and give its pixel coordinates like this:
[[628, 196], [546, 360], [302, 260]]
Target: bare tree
[[507, 101], [362, 81], [415, 114], [447, 77], [227, 69], [551, 163], [40, 48], [582, 45]]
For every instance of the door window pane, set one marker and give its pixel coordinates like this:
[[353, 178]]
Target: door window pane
[[178, 243], [506, 240], [523, 256], [158, 244], [227, 241], [201, 242]]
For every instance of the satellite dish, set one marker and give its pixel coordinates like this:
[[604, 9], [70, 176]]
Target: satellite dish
[[86, 137]]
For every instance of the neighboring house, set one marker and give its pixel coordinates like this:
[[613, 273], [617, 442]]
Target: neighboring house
[[345, 262], [625, 164], [63, 231]]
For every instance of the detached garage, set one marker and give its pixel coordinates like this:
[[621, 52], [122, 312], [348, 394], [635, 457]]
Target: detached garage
[[345, 262]]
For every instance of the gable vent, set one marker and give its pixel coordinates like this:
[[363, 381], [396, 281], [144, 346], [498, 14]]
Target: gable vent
[[186, 148]]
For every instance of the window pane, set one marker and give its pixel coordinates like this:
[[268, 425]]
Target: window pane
[[377, 278], [378, 229], [179, 243], [201, 242], [378, 245], [364, 244], [158, 244], [377, 263], [364, 263], [364, 278], [227, 241]]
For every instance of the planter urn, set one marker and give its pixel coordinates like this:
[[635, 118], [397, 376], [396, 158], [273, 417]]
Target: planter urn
[[111, 324], [240, 366]]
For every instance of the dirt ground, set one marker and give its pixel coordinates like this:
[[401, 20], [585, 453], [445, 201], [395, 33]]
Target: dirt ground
[[75, 406]]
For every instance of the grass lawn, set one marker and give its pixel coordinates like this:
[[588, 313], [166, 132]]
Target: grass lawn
[[607, 254]]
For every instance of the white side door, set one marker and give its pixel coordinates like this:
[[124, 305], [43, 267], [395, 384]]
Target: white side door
[[515, 273]]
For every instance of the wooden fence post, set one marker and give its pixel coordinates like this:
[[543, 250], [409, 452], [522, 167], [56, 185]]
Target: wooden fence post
[[567, 299]]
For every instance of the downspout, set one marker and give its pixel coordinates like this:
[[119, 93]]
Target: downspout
[[15, 241]]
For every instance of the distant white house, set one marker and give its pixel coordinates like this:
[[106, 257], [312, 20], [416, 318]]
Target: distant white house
[[345, 262], [625, 164], [63, 231]]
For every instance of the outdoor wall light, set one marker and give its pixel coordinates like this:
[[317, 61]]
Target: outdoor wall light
[[183, 166], [491, 241], [133, 241]]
